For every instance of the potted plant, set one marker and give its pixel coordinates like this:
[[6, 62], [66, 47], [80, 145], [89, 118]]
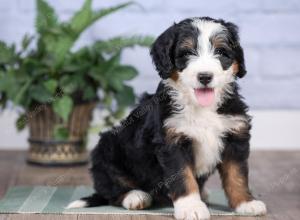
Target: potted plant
[[55, 88]]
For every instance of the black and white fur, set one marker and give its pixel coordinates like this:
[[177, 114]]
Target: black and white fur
[[169, 145]]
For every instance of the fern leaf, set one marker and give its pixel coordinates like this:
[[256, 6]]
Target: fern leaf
[[7, 54], [59, 48], [125, 72], [106, 11], [117, 44], [82, 19], [85, 16], [22, 91], [46, 16]]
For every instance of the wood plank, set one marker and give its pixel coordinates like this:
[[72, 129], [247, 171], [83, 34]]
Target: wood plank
[[10, 164]]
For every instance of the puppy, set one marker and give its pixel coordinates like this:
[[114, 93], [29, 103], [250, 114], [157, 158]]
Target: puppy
[[194, 124]]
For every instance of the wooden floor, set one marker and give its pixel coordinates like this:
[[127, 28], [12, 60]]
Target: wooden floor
[[274, 176]]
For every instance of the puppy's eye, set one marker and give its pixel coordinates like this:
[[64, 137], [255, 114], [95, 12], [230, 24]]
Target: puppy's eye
[[185, 53], [221, 52]]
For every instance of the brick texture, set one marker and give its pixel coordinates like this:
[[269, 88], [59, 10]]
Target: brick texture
[[270, 34]]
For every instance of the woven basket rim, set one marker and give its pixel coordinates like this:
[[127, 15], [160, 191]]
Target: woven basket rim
[[54, 142]]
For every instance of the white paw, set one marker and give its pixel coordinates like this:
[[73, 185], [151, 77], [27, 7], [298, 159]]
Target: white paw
[[254, 207], [191, 208], [137, 199]]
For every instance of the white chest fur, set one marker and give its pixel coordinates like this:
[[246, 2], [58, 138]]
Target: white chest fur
[[206, 127]]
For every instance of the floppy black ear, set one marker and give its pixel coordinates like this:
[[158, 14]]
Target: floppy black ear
[[238, 50], [240, 59], [162, 52]]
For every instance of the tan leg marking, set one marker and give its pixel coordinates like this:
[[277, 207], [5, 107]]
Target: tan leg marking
[[189, 206], [235, 183], [190, 181]]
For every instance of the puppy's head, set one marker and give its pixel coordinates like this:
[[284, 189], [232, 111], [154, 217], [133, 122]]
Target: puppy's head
[[200, 58]]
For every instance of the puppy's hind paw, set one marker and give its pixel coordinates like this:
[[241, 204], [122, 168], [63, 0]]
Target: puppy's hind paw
[[76, 204], [137, 199]]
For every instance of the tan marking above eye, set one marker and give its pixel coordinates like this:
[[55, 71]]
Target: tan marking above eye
[[188, 43], [218, 42]]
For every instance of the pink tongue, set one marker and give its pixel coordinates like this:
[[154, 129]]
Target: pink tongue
[[205, 97]]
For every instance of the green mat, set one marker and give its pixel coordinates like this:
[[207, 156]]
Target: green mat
[[44, 199]]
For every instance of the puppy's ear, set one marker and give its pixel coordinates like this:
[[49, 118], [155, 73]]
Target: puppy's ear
[[162, 52], [240, 60], [238, 50]]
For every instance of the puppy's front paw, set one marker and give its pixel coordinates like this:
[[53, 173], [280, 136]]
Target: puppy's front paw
[[254, 207], [199, 212], [191, 208]]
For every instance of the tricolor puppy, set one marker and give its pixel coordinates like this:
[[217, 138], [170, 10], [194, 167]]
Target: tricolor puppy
[[194, 124]]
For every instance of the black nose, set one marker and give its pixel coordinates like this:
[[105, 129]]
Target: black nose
[[205, 78]]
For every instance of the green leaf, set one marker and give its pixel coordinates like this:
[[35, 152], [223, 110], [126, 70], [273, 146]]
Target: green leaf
[[103, 12], [102, 72], [63, 107], [125, 72], [118, 43], [98, 77], [7, 54], [24, 88], [40, 94], [26, 41], [119, 74], [71, 83], [89, 93], [126, 97], [113, 61], [112, 74], [8, 85], [61, 133], [116, 84], [86, 16], [3, 84], [59, 48], [82, 18], [109, 65], [46, 17], [51, 85]]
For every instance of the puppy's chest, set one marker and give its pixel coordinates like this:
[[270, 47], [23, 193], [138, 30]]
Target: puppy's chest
[[206, 129]]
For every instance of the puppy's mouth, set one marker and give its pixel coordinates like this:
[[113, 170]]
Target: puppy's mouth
[[205, 96]]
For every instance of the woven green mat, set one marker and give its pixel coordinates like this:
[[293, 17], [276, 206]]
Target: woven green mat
[[44, 199]]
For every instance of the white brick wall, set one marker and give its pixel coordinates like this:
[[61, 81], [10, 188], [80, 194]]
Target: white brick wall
[[270, 34]]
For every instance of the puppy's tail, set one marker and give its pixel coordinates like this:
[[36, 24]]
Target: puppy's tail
[[90, 201]]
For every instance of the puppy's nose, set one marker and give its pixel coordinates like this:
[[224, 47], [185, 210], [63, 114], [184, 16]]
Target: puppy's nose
[[205, 78]]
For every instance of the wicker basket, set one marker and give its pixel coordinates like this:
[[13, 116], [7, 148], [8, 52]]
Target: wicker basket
[[45, 150]]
